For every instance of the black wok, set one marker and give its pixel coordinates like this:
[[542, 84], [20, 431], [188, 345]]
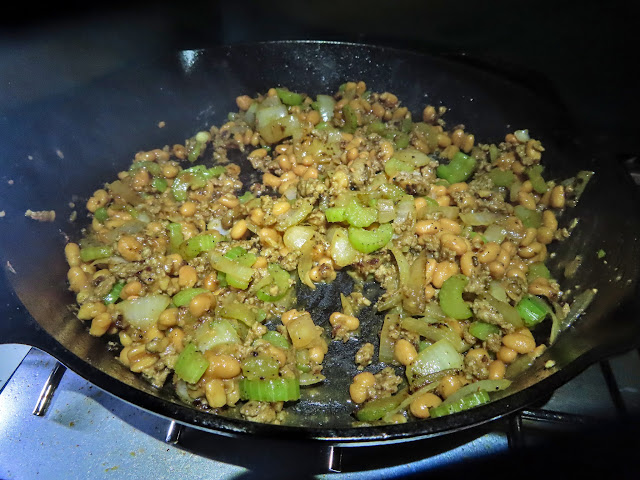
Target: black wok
[[56, 151]]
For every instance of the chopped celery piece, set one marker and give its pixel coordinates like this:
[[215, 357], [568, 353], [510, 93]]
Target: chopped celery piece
[[393, 166], [535, 176], [377, 127], [238, 276], [350, 119], [459, 169], [175, 237], [89, 254], [191, 364], [451, 297], [238, 311], [529, 218], [501, 178], [401, 141], [391, 191], [288, 97], [359, 216], [532, 310], [152, 167], [376, 409], [261, 366], [101, 214], [270, 390], [200, 243], [184, 297], [276, 339], [538, 270], [335, 214], [247, 260], [482, 330], [434, 331], [465, 403], [481, 385], [114, 295], [368, 241], [160, 184], [493, 152], [278, 287], [235, 252]]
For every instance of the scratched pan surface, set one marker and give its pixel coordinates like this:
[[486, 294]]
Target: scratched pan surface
[[58, 150]]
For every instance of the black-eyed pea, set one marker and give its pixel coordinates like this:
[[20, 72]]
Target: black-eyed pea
[[386, 150], [443, 271], [270, 180], [545, 235], [90, 310], [504, 256], [257, 216], [215, 393], [187, 276], [531, 250], [438, 190], [557, 199], [168, 318], [427, 227], [477, 355], [176, 335], [450, 384], [506, 355], [420, 406], [77, 278], [527, 186], [72, 254], [496, 269], [131, 289], [429, 292], [430, 269], [129, 247], [467, 266], [457, 137], [451, 226], [316, 354], [497, 370], [239, 229], [467, 143], [98, 200], [489, 253], [200, 304], [457, 187], [244, 102], [269, 237], [359, 388], [444, 140], [519, 342], [429, 114], [527, 200], [541, 286], [549, 220], [444, 200], [222, 366], [529, 236], [454, 243], [405, 352], [289, 315], [124, 356]]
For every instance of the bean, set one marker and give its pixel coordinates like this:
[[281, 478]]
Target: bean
[[131, 289], [77, 279], [549, 220], [557, 197], [222, 366], [343, 321], [405, 352], [187, 276], [130, 248], [168, 318], [450, 385], [200, 304], [497, 370], [519, 342], [506, 354], [215, 393], [454, 243], [188, 209], [450, 226], [443, 271], [467, 266], [427, 227], [489, 252], [72, 254], [239, 229], [420, 406]]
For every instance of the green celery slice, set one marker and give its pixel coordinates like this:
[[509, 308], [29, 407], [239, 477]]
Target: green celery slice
[[368, 241], [465, 403], [184, 297], [451, 300], [89, 254], [376, 409], [482, 330], [191, 364], [270, 390]]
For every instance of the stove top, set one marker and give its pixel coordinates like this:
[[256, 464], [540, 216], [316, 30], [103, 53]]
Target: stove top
[[80, 431]]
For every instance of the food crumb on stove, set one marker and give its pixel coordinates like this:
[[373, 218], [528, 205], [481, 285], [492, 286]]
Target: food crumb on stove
[[550, 364], [41, 215], [2, 213], [73, 216], [10, 181], [59, 154], [10, 268], [161, 124]]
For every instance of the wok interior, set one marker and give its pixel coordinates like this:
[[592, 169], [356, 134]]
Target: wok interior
[[59, 150]]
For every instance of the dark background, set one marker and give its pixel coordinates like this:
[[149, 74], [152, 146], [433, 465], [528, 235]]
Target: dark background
[[582, 51]]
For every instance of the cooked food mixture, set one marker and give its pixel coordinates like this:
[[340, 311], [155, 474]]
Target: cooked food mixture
[[195, 273]]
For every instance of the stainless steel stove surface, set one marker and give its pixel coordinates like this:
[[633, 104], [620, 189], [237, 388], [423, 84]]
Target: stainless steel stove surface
[[85, 432]]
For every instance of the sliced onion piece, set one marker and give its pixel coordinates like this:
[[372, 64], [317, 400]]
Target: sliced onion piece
[[142, 312]]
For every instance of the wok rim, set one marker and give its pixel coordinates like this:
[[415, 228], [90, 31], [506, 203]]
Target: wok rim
[[347, 436]]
